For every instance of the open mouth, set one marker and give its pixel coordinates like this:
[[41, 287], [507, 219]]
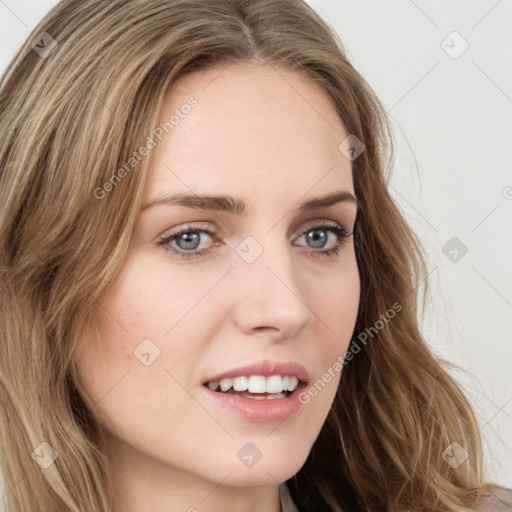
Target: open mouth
[[268, 398], [256, 387]]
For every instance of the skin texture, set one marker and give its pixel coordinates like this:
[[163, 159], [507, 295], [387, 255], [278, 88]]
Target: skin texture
[[270, 137]]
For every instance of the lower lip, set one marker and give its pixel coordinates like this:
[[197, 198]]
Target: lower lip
[[260, 411]]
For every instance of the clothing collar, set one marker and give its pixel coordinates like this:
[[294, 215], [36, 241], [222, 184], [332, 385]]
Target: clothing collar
[[287, 504]]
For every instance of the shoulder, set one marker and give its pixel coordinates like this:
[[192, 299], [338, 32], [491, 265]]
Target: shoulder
[[499, 501]]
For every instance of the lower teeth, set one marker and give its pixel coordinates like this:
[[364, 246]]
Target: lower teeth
[[267, 396], [256, 396]]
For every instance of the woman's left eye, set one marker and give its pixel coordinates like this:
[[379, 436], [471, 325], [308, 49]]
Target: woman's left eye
[[188, 240]]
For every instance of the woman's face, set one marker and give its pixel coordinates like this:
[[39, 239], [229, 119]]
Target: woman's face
[[259, 290]]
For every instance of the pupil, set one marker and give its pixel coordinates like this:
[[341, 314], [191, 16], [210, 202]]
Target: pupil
[[189, 238], [314, 237]]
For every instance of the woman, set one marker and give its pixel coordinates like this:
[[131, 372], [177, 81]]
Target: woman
[[273, 364]]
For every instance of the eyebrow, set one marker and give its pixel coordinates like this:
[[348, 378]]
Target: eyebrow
[[235, 206]]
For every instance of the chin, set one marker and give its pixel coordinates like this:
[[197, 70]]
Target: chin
[[266, 475], [276, 465]]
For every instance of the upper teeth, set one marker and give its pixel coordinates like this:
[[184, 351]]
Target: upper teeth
[[256, 384]]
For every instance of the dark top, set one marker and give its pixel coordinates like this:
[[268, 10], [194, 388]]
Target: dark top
[[500, 501]]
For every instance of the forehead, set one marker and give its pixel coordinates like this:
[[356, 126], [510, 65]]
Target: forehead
[[254, 130]]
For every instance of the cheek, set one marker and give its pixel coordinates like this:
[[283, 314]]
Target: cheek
[[124, 389], [124, 333], [135, 302], [141, 337], [153, 297], [336, 311]]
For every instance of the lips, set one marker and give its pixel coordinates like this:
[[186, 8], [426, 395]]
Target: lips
[[258, 407], [265, 369]]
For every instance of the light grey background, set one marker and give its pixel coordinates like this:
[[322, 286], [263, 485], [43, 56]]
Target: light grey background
[[452, 117]]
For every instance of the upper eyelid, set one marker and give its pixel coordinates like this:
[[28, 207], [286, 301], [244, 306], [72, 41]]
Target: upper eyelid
[[213, 233], [307, 225]]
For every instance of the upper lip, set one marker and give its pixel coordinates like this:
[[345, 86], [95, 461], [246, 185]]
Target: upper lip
[[266, 369]]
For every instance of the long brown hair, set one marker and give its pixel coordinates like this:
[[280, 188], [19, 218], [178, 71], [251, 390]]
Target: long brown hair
[[81, 95]]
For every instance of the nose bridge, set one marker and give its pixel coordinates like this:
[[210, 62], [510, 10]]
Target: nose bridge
[[271, 292]]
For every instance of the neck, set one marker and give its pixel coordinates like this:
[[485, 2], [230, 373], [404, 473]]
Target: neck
[[143, 483]]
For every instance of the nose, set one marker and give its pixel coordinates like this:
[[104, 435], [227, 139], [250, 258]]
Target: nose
[[271, 296]]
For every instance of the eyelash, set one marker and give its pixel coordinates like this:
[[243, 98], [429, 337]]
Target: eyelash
[[340, 233]]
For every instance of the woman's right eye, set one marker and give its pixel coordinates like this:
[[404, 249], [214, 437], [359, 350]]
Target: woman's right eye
[[187, 238]]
